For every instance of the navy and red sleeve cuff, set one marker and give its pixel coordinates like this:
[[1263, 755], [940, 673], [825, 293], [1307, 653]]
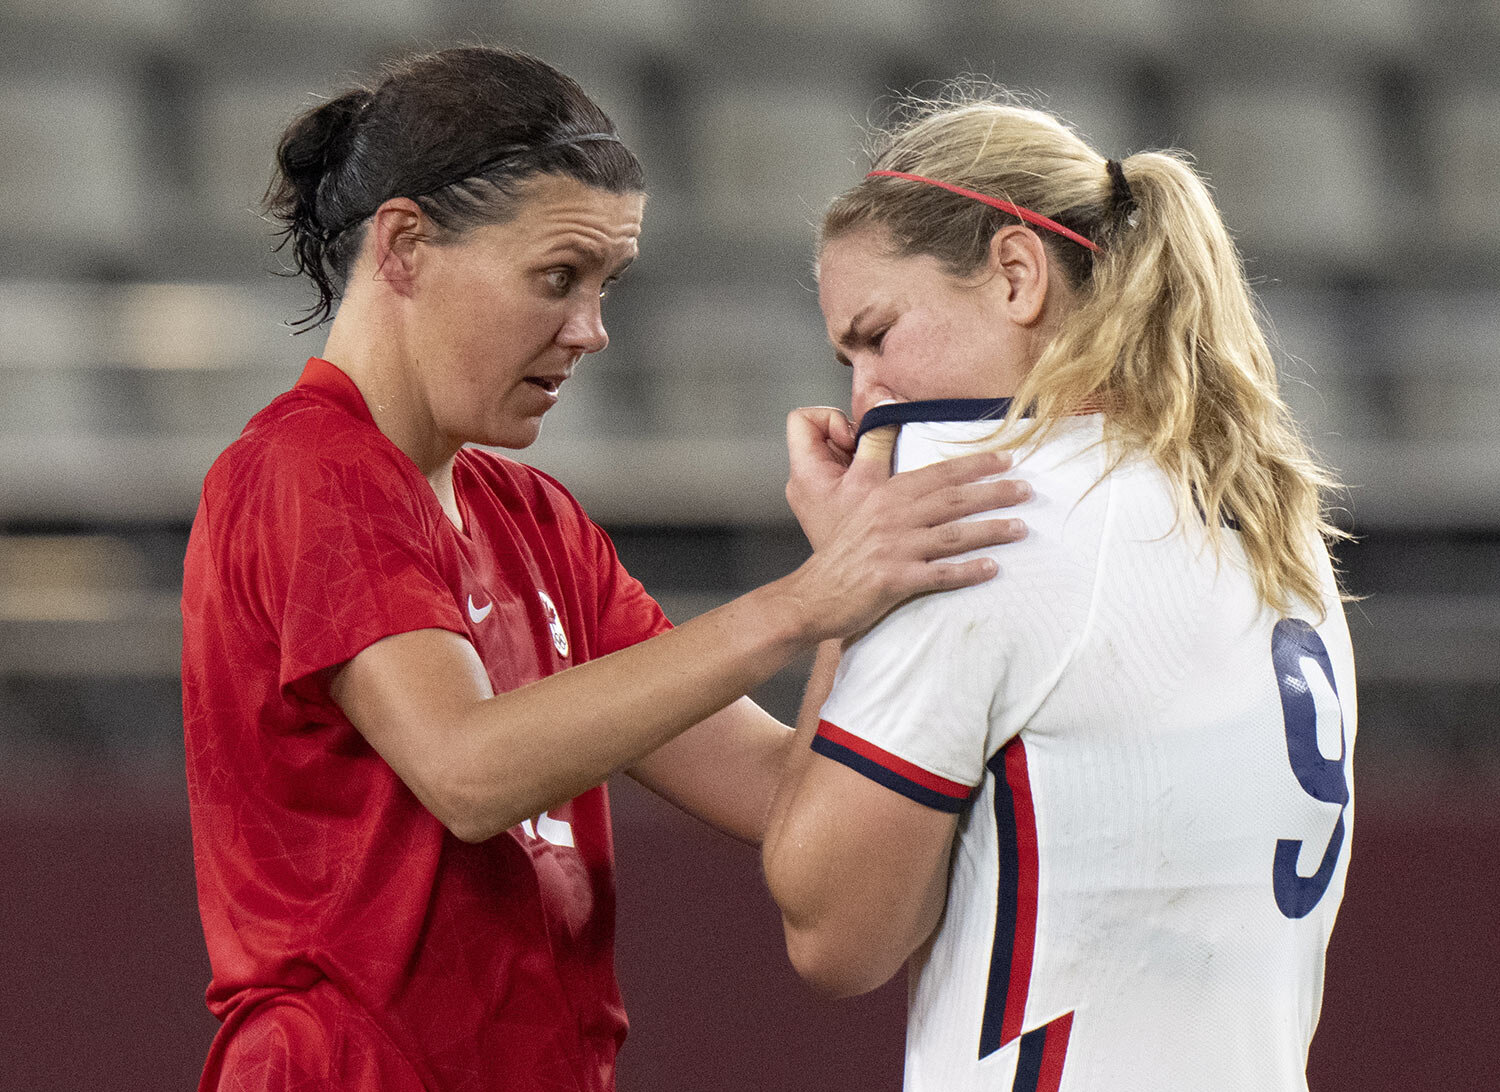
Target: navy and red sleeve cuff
[[897, 774]]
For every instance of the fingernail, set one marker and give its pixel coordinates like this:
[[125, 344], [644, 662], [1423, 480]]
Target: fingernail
[[1023, 489], [1016, 527]]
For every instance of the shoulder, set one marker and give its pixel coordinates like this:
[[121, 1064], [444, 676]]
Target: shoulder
[[517, 484], [1044, 591], [506, 473], [304, 465], [301, 436]]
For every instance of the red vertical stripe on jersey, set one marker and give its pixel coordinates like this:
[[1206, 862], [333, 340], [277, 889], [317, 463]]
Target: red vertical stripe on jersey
[[1024, 944], [1054, 1052]]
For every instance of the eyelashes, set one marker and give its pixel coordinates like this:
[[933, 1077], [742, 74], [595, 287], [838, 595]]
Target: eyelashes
[[563, 280], [865, 341]]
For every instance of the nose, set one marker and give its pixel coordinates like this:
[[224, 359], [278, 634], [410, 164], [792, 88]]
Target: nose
[[867, 391], [584, 330]]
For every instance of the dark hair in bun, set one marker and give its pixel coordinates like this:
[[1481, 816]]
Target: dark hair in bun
[[457, 131]]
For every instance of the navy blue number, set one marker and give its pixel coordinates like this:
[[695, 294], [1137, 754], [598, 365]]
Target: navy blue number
[[1292, 643]]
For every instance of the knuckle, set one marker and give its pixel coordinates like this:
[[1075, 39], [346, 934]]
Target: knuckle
[[948, 575]]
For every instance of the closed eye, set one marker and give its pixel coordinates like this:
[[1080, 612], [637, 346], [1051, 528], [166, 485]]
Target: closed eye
[[854, 338]]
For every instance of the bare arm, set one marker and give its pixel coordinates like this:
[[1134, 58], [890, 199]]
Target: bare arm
[[860, 873], [482, 762], [724, 771]]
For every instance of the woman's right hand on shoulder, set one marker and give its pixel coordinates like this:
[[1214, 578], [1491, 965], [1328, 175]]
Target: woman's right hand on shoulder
[[880, 539]]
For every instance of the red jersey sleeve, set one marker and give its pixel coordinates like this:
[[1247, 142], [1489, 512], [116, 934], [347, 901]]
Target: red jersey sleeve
[[327, 533]]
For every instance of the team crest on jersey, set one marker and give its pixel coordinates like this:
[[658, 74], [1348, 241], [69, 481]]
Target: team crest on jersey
[[554, 623]]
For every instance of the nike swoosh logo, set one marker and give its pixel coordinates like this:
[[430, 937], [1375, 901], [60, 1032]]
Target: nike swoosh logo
[[479, 614]]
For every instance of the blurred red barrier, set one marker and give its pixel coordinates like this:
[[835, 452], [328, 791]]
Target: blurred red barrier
[[103, 968]]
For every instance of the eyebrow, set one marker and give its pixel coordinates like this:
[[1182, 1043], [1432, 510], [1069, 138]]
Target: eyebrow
[[852, 335], [590, 253]]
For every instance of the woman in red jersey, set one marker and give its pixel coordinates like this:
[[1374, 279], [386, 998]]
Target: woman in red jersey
[[409, 666]]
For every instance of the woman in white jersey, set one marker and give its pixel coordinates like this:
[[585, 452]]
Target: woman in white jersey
[[1102, 803]]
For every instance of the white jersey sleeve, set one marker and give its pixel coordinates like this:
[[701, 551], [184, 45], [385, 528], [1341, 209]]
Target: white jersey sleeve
[[923, 699]]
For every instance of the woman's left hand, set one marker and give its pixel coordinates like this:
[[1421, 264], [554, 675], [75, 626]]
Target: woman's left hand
[[820, 441]]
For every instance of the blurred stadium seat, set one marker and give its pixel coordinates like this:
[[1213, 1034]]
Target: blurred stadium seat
[[238, 123], [1465, 157], [768, 157], [858, 24], [1297, 171], [1134, 24], [1347, 25], [733, 360], [140, 22], [350, 18], [644, 24], [72, 171]]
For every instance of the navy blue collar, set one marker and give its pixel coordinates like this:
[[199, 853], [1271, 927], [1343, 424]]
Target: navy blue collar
[[935, 409]]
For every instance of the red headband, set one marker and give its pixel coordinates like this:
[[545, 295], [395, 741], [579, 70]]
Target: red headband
[[1004, 206]]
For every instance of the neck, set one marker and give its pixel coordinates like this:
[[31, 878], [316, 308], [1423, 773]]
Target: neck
[[371, 349]]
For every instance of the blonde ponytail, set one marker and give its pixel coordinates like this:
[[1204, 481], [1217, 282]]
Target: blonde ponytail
[[1165, 335]]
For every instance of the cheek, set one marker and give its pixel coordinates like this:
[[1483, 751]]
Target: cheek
[[915, 355], [933, 359]]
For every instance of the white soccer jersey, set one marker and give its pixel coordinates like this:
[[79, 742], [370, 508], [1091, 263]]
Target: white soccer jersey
[[1152, 773]]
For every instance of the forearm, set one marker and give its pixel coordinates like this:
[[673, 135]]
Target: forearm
[[723, 771], [726, 770], [819, 686], [606, 715], [483, 762], [523, 751]]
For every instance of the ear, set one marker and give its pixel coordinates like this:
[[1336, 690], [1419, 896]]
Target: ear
[[1020, 269], [397, 229]]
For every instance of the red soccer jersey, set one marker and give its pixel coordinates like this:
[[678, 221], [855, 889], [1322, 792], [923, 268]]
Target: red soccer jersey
[[356, 943]]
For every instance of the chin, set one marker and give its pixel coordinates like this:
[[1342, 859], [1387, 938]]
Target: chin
[[514, 437]]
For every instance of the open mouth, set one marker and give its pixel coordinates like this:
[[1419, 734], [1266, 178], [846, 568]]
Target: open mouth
[[548, 385]]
